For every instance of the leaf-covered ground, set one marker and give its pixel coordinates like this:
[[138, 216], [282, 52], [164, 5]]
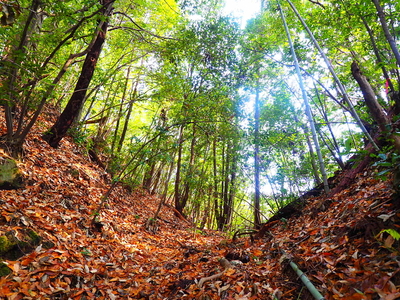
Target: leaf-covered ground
[[335, 242]]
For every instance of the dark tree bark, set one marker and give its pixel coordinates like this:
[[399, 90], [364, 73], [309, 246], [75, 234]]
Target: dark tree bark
[[385, 127], [59, 130], [217, 208], [375, 109], [178, 195]]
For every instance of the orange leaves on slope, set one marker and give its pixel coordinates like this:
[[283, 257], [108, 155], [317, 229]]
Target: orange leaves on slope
[[335, 244]]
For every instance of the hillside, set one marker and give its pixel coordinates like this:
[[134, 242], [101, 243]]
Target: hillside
[[334, 241]]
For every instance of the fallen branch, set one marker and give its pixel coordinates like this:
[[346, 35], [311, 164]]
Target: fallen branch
[[225, 264]]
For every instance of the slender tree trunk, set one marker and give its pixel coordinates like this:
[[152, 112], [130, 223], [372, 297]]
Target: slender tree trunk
[[67, 117], [117, 124], [157, 179], [130, 107], [377, 55], [256, 212], [314, 166], [336, 147], [217, 208], [226, 207], [178, 195], [385, 29], [166, 184], [307, 105], [148, 176], [231, 189], [189, 175], [336, 78], [126, 123], [102, 130], [206, 212], [9, 86]]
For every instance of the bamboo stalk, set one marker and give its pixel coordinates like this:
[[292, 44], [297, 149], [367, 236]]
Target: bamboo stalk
[[310, 286]]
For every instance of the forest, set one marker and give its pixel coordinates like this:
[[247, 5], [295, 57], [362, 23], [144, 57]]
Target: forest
[[196, 125]]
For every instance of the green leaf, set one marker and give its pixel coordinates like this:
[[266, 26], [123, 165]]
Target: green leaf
[[392, 232]]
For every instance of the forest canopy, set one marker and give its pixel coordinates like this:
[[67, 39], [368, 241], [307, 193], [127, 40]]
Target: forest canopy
[[228, 123]]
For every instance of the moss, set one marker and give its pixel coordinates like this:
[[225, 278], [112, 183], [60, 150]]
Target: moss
[[5, 244], [12, 248], [10, 175], [35, 239], [4, 269]]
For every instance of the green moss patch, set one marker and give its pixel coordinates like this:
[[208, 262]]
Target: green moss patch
[[10, 175], [4, 269], [12, 248], [5, 244]]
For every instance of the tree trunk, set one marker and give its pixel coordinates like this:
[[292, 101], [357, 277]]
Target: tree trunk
[[377, 55], [132, 97], [256, 208], [230, 190], [217, 207], [189, 174], [335, 145], [65, 120], [375, 109], [178, 195], [335, 77], [385, 29], [148, 176], [306, 103]]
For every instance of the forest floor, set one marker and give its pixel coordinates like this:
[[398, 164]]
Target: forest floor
[[336, 241]]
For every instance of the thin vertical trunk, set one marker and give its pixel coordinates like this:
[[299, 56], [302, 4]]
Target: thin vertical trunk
[[102, 130], [217, 208], [278, 206], [257, 216], [377, 55], [338, 158], [165, 191], [17, 58], [386, 31], [312, 158], [157, 179], [231, 193], [226, 207], [128, 114], [307, 105], [148, 176], [126, 123], [206, 212], [335, 77], [189, 175], [332, 151], [117, 124], [178, 195]]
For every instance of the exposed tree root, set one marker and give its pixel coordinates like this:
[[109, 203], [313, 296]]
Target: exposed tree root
[[225, 264]]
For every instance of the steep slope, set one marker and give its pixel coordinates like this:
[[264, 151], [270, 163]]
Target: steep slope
[[335, 241]]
